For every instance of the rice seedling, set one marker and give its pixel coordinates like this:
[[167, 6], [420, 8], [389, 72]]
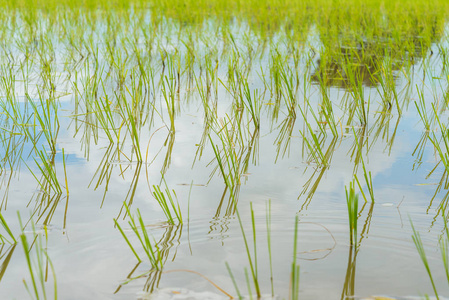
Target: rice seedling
[[129, 118], [352, 201], [169, 92], [349, 284], [165, 244], [366, 175], [422, 111], [357, 93], [6, 254], [387, 88], [169, 143], [105, 118], [326, 109], [191, 57], [314, 145], [422, 254], [104, 171], [294, 275], [311, 185], [288, 85], [252, 259], [252, 103], [233, 159], [47, 118], [45, 206], [210, 115], [284, 138], [8, 231], [382, 128], [253, 264], [13, 145], [275, 82], [166, 201], [420, 149], [150, 248], [37, 267], [133, 185], [443, 183], [65, 172], [211, 65], [444, 139], [83, 115], [228, 162], [268, 221], [46, 166], [444, 246]]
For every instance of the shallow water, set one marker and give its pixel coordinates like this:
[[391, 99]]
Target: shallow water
[[92, 260]]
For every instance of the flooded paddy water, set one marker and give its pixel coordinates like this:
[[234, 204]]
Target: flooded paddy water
[[149, 153]]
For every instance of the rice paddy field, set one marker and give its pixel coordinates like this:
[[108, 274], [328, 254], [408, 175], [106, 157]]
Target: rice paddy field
[[271, 149]]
